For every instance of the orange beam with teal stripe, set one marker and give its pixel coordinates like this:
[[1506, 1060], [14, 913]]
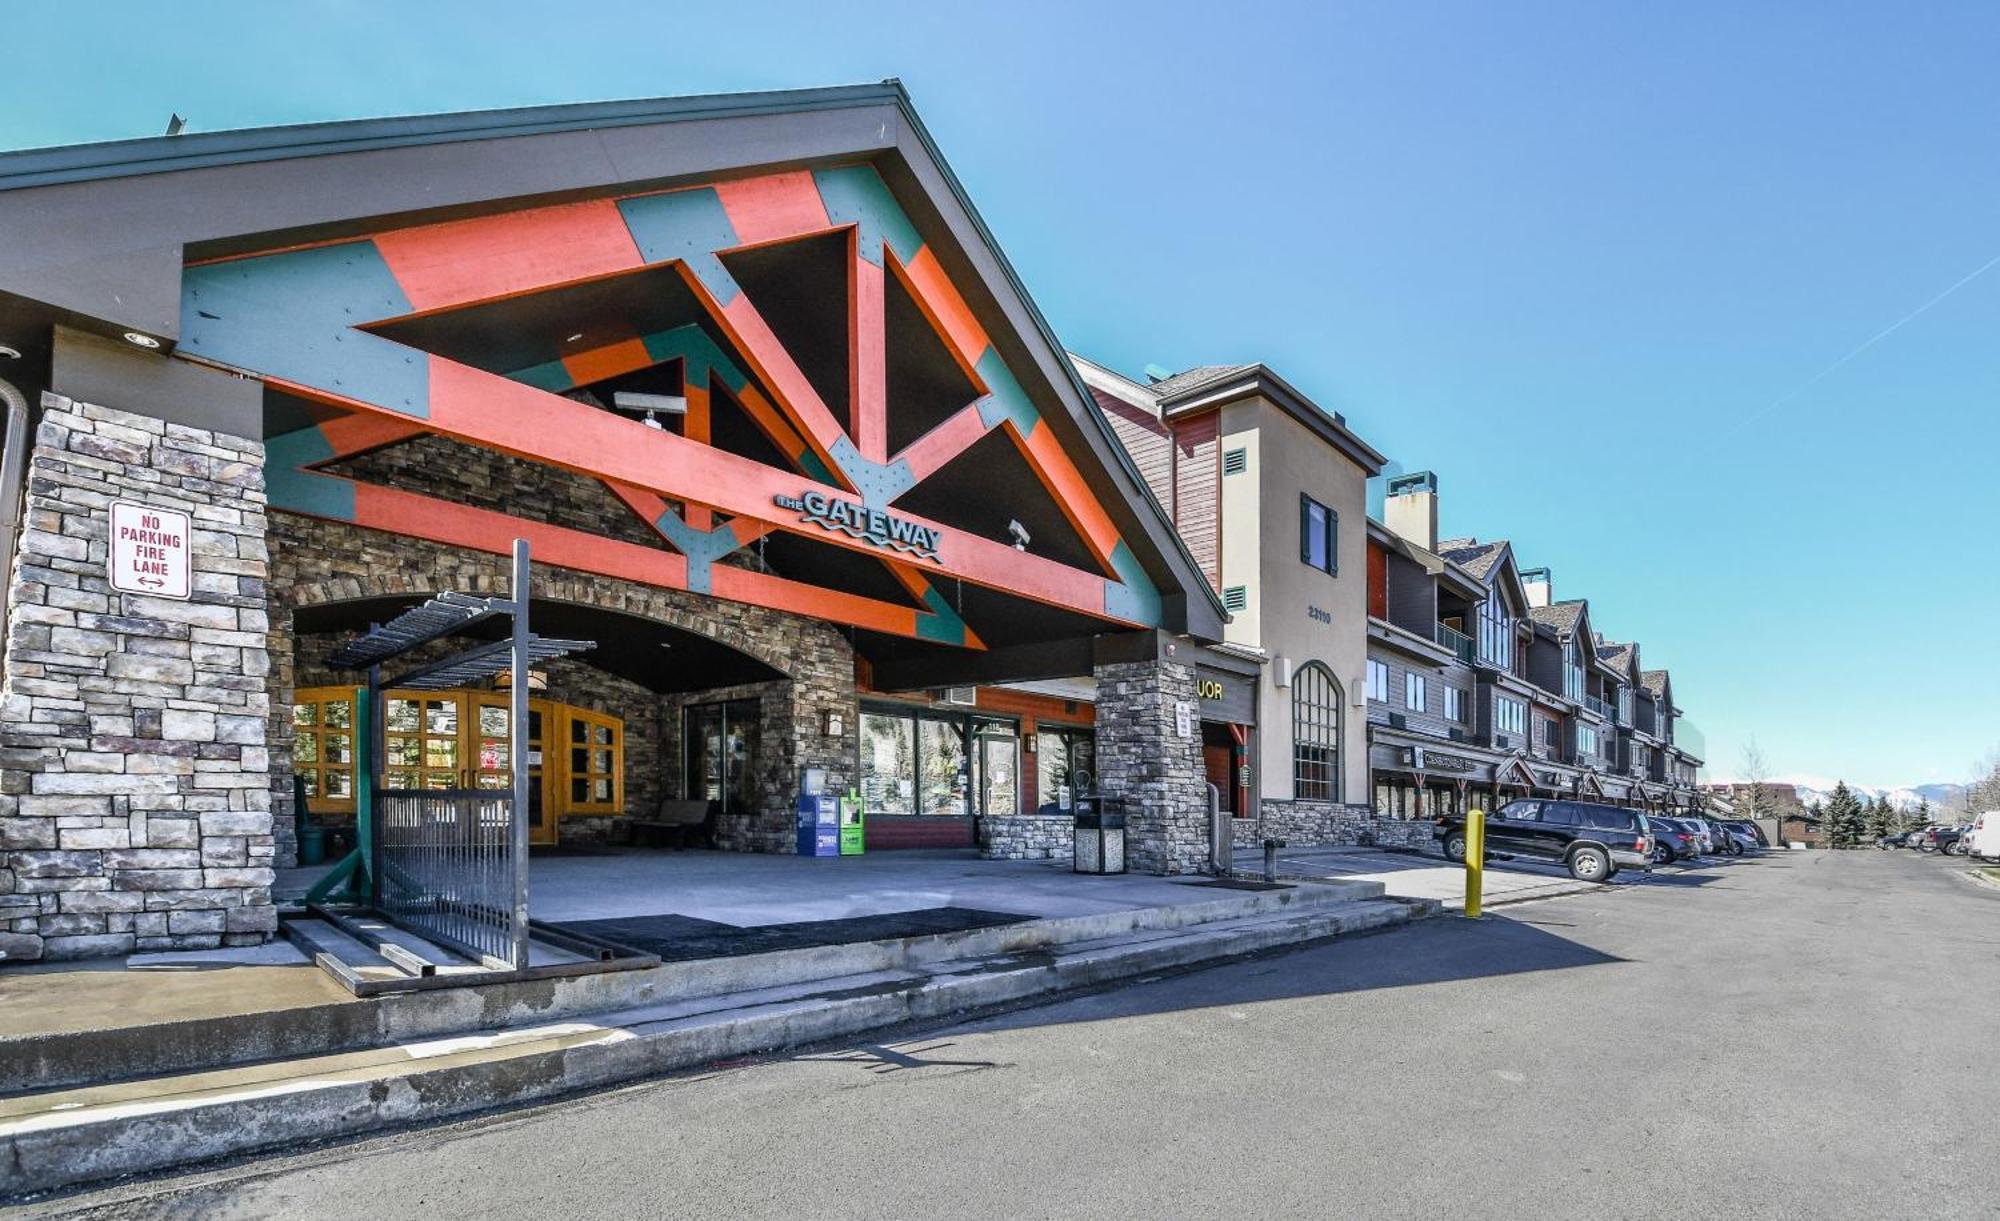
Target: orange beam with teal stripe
[[270, 315]]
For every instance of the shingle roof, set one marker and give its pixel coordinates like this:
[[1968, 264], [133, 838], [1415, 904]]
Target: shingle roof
[[1562, 616], [1615, 654], [1654, 681], [1475, 557], [1200, 375]]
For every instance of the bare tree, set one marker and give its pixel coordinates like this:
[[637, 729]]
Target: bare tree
[[1984, 792], [1755, 799]]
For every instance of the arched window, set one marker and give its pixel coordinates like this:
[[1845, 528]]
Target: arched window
[[1316, 713]]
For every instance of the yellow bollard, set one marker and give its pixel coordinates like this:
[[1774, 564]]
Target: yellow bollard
[[1475, 860]]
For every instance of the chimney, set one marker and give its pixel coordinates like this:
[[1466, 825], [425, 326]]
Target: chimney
[[1411, 509], [1541, 586]]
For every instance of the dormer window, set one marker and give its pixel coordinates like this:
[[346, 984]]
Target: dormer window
[[1572, 671]]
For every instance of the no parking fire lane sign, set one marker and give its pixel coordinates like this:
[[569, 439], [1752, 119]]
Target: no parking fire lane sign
[[149, 551]]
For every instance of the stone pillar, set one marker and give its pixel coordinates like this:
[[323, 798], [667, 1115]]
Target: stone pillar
[[1144, 762], [135, 801]]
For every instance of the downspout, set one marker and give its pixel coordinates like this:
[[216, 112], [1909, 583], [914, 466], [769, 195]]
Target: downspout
[[13, 465]]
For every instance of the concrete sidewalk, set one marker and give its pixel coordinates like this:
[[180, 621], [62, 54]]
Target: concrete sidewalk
[[1408, 875], [247, 1081]]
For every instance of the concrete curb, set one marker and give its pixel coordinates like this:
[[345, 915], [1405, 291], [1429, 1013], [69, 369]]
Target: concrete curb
[[80, 1057], [152, 1125]]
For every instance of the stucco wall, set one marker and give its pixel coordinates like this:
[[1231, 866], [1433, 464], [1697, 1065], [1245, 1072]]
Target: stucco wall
[[1261, 551]]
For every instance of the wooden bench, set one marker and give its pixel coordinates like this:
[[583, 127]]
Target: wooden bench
[[682, 820]]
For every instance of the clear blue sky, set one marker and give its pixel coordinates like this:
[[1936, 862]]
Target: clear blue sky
[[1582, 259]]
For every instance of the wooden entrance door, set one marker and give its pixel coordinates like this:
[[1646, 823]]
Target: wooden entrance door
[[423, 736]]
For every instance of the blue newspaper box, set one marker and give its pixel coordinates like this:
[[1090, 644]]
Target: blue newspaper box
[[819, 824]]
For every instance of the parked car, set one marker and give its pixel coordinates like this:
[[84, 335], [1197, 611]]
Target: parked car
[[1740, 839], [1755, 831], [1959, 846], [1705, 837], [1673, 840], [1938, 839], [1593, 841], [1719, 842], [1983, 840]]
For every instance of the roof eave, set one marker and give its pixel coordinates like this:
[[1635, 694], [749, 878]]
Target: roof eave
[[1261, 380]]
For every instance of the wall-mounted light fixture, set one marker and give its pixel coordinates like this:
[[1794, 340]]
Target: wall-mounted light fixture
[[139, 339], [835, 724]]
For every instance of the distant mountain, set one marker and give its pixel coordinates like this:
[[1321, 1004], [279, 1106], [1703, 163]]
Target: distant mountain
[[1941, 796]]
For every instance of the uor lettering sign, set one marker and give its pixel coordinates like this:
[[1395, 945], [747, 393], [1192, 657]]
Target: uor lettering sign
[[149, 551]]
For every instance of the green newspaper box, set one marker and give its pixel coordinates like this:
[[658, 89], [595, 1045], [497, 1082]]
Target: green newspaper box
[[850, 824]]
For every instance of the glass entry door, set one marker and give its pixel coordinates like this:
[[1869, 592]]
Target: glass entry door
[[999, 769]]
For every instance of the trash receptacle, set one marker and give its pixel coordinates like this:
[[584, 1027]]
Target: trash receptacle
[[1100, 836]]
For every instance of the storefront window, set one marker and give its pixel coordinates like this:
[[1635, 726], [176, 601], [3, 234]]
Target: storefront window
[[941, 767], [721, 750], [938, 764], [323, 746], [888, 761], [1065, 768]]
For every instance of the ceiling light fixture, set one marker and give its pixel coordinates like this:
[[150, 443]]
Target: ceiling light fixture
[[141, 339]]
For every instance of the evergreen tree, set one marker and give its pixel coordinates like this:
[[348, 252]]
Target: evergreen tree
[[1918, 817], [1881, 818], [1875, 819], [1842, 823]]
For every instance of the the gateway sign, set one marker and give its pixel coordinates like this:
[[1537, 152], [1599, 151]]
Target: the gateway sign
[[876, 526]]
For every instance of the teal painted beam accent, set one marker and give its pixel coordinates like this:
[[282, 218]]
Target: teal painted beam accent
[[1133, 596], [552, 376], [1005, 399], [878, 482], [291, 486], [292, 316], [856, 195], [942, 623], [702, 548], [689, 226], [705, 358]]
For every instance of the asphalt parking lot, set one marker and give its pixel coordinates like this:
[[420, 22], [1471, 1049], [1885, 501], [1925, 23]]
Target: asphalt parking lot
[[1779, 1037]]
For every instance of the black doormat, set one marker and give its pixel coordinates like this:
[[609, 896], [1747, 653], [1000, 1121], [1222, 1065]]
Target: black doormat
[[1240, 884], [678, 938]]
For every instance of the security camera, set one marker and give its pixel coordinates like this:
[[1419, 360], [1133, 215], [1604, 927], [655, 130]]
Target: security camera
[[1019, 533]]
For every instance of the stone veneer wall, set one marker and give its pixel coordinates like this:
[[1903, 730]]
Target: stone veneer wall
[[1143, 762], [1300, 823], [135, 807], [1027, 837]]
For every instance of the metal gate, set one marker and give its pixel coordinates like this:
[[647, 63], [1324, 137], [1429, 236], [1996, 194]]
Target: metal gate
[[449, 870]]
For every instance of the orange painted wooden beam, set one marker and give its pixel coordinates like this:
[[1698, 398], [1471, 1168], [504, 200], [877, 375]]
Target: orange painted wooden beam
[[943, 443], [490, 257], [867, 356], [490, 410], [775, 207], [456, 525], [945, 310]]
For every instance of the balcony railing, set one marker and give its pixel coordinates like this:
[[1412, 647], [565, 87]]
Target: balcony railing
[[1599, 707], [1457, 641]]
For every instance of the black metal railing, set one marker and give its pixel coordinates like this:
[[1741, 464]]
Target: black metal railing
[[449, 870]]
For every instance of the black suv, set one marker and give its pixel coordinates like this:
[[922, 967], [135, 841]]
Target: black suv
[[1594, 841]]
